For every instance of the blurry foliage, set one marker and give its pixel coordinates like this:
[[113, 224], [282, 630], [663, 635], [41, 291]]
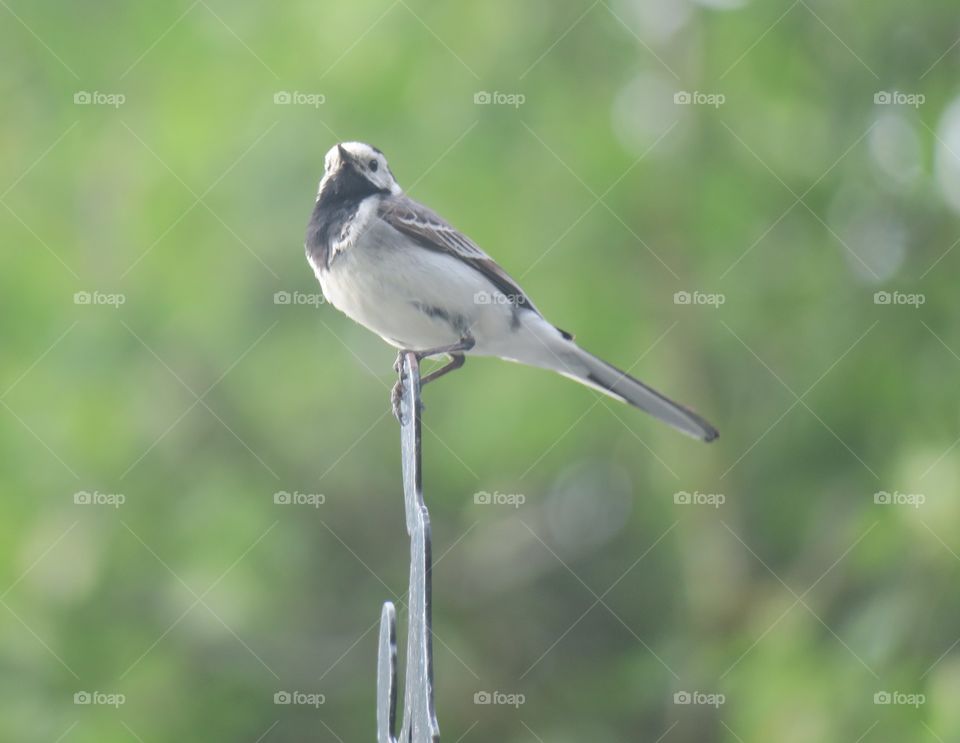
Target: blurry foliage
[[599, 598]]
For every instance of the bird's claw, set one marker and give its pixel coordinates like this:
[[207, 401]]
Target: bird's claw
[[395, 394]]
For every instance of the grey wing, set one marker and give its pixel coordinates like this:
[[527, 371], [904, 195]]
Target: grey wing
[[430, 231]]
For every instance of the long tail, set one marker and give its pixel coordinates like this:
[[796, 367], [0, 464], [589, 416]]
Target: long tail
[[621, 386], [559, 353]]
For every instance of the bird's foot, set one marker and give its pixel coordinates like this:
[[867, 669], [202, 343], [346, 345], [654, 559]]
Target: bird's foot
[[395, 394]]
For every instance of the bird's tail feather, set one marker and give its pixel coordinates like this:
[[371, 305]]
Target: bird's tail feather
[[567, 358]]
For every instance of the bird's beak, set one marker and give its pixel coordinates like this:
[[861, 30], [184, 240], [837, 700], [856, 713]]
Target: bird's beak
[[344, 155]]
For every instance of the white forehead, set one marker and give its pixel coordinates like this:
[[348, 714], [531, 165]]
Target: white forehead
[[358, 150], [361, 150]]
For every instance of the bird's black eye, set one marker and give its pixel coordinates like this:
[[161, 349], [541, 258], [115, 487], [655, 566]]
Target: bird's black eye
[[374, 165]]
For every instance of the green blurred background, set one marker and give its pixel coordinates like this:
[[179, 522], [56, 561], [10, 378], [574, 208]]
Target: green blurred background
[[159, 163]]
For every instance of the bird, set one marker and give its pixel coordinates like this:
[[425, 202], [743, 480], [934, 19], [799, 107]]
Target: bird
[[397, 268]]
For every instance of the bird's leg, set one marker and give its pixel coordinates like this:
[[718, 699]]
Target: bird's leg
[[464, 344], [454, 351], [456, 361]]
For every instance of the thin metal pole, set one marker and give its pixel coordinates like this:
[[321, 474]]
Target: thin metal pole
[[419, 723]]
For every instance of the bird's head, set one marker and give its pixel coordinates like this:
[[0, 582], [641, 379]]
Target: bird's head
[[355, 169]]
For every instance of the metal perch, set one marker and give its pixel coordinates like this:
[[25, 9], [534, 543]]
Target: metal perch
[[419, 723]]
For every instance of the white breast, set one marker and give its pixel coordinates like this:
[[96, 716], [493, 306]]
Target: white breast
[[411, 297]]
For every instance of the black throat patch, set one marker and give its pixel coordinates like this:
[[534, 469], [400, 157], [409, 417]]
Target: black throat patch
[[334, 209]]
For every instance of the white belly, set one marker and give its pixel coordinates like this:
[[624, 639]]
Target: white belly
[[415, 299]]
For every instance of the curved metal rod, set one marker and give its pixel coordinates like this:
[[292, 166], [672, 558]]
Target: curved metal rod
[[419, 723]]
